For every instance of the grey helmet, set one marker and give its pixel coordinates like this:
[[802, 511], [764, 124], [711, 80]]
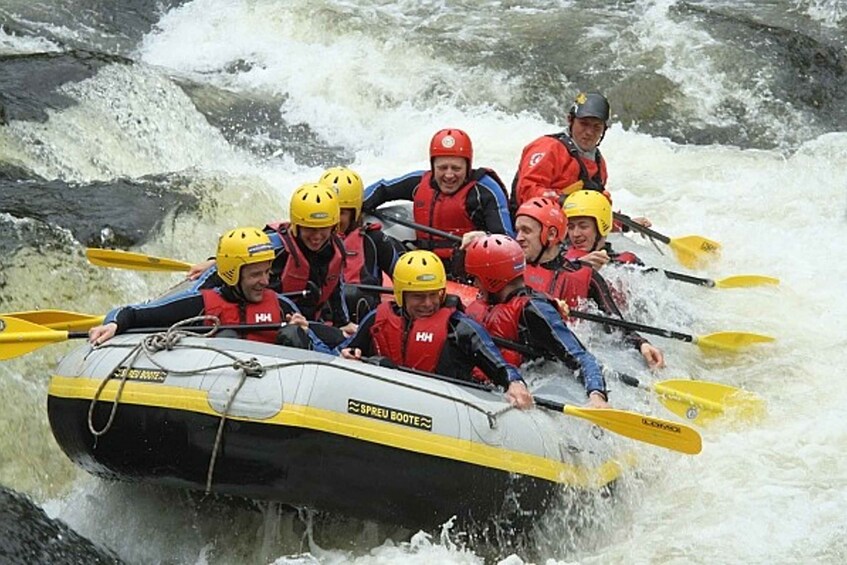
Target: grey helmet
[[591, 105]]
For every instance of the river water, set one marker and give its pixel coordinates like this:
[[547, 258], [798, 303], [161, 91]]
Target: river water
[[158, 125]]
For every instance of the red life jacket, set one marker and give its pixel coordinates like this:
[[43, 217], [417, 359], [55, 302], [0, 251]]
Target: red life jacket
[[418, 347], [574, 253], [501, 320], [446, 212], [244, 313], [295, 275], [356, 271], [570, 286], [626, 257], [592, 174]]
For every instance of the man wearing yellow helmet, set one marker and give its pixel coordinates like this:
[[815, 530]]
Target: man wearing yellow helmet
[[417, 330], [370, 252], [309, 254], [589, 222], [244, 257], [451, 196]]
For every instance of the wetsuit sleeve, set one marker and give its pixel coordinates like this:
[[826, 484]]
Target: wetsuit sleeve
[[340, 314], [598, 291], [488, 208], [159, 314], [382, 191], [387, 250], [547, 330], [280, 259], [474, 342], [362, 338], [288, 307]]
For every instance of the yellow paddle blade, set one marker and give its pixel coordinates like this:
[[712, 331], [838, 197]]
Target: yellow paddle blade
[[703, 402], [731, 341], [694, 250], [19, 337], [59, 319], [133, 261], [741, 281], [655, 431]]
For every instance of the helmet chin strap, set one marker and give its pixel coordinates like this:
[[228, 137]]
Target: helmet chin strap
[[544, 247], [237, 292], [599, 141], [594, 245]]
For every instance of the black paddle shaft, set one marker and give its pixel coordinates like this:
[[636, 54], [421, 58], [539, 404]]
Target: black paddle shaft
[[631, 326], [414, 226], [237, 327], [673, 275], [630, 223]]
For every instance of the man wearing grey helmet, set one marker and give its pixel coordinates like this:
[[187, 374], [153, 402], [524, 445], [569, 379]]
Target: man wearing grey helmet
[[558, 164]]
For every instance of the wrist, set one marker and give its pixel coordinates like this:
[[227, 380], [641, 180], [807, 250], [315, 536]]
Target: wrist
[[599, 394]]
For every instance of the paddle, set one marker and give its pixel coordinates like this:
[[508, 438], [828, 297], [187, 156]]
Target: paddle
[[698, 401], [735, 281], [702, 402], [134, 261], [59, 319], [690, 250], [655, 431], [726, 341], [19, 337], [415, 226]]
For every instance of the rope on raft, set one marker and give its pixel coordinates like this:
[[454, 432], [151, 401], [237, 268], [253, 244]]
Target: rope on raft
[[170, 340]]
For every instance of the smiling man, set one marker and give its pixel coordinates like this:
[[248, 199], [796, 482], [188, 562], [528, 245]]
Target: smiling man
[[452, 196], [242, 298], [309, 253]]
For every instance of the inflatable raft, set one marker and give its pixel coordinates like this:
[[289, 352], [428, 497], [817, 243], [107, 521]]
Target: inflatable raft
[[268, 422]]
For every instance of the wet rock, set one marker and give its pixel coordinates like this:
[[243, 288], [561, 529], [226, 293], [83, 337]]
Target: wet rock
[[124, 212], [29, 536], [29, 84], [254, 123]]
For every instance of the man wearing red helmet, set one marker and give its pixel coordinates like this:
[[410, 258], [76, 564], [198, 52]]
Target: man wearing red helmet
[[452, 196], [513, 311], [541, 226]]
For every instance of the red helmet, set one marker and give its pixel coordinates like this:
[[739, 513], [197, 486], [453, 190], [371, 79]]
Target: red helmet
[[495, 261], [451, 142], [548, 213]]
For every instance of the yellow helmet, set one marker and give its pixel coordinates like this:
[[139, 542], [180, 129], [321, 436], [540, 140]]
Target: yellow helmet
[[314, 206], [348, 184], [592, 204], [239, 247], [418, 271]]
